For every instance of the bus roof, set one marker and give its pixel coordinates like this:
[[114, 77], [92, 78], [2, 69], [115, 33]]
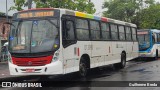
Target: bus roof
[[85, 15], [90, 16], [141, 30], [153, 30]]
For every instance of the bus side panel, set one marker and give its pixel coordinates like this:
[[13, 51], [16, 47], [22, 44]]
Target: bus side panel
[[135, 50], [153, 50], [69, 58], [155, 47], [129, 51], [116, 51], [84, 48], [99, 52], [109, 57], [158, 47]]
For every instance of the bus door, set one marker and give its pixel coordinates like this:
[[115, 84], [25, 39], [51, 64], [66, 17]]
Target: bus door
[[158, 43], [153, 43], [69, 44]]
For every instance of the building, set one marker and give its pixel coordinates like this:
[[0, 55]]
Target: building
[[3, 19]]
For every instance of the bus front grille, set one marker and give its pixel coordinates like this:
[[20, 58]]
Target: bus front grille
[[31, 63], [38, 61]]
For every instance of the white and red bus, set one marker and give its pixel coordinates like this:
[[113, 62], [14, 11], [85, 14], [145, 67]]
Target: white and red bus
[[59, 41]]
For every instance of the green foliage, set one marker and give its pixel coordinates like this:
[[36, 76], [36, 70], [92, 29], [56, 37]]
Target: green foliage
[[18, 5], [120, 9], [127, 10], [79, 5], [2, 14], [150, 17]]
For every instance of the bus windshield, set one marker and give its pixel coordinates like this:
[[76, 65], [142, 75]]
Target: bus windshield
[[144, 41], [32, 36]]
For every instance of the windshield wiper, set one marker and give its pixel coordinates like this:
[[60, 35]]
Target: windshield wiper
[[19, 23]]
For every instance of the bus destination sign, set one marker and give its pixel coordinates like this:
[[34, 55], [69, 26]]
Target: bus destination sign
[[35, 14]]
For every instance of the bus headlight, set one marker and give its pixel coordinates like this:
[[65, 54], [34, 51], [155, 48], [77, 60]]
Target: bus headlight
[[56, 56]]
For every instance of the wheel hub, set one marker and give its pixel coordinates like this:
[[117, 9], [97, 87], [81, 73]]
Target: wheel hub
[[83, 70]]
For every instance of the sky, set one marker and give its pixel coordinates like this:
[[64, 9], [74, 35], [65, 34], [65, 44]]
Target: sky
[[98, 5]]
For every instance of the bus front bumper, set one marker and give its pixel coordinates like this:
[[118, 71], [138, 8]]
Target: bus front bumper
[[146, 55], [49, 69]]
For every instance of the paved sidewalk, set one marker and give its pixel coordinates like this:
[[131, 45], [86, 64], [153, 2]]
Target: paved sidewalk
[[4, 70]]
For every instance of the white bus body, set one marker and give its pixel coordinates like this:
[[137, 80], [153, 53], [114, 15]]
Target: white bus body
[[96, 53]]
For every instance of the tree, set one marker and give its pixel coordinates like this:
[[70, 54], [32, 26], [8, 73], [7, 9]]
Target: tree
[[79, 5], [125, 10], [2, 14], [18, 5], [149, 17]]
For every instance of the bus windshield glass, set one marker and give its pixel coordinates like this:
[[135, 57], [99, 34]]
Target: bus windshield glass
[[144, 40], [32, 36]]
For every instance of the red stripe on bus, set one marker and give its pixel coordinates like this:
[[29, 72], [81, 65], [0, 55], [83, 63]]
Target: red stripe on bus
[[78, 51]]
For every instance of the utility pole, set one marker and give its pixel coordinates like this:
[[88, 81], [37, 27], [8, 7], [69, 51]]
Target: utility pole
[[60, 3], [29, 4], [6, 10]]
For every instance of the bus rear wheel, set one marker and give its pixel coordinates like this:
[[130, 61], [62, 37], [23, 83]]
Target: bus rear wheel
[[123, 61], [83, 70], [122, 64]]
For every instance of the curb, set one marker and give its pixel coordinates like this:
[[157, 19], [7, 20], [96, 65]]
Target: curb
[[3, 62], [16, 78]]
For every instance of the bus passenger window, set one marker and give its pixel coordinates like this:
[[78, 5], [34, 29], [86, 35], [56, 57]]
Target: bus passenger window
[[105, 31], [128, 33], [82, 29], [95, 30], [121, 32], [114, 32]]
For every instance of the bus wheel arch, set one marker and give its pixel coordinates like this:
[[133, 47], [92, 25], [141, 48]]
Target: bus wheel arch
[[124, 52], [84, 65]]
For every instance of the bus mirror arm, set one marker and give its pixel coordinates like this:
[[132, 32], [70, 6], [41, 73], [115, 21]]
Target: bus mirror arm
[[9, 23]]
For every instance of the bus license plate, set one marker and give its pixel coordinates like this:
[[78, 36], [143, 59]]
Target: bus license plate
[[30, 70]]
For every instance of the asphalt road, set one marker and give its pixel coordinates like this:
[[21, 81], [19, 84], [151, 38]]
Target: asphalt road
[[134, 71]]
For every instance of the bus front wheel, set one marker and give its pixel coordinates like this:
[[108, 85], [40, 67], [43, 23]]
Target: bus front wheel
[[83, 70]]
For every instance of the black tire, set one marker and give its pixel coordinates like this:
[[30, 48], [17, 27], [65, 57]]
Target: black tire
[[122, 64], [156, 57], [83, 70]]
